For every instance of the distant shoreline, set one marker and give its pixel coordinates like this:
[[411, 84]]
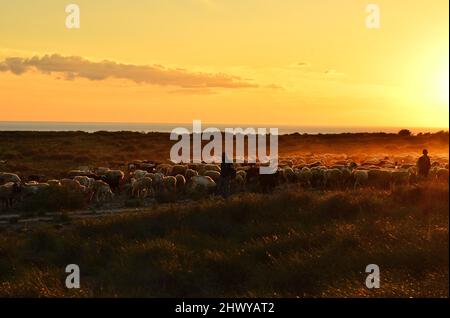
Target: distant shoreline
[[90, 127]]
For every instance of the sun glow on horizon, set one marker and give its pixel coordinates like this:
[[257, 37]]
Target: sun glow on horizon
[[444, 86]]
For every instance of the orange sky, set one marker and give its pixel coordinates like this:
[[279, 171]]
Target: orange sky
[[285, 62]]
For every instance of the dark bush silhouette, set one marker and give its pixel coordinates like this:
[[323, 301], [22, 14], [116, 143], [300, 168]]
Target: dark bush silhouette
[[405, 133]]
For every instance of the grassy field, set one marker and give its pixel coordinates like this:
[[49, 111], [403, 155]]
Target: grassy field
[[286, 244], [54, 153], [290, 243]]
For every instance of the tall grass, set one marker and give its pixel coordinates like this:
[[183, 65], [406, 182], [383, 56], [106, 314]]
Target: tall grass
[[287, 244], [53, 199]]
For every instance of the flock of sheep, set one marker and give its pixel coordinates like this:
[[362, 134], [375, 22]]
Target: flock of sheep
[[143, 179]]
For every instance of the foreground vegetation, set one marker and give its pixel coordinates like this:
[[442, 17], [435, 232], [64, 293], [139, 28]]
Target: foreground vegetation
[[287, 244]]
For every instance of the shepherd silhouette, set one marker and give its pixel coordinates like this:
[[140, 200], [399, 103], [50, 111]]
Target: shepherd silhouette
[[424, 164], [227, 172]]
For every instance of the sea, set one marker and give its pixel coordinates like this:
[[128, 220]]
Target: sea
[[168, 127]]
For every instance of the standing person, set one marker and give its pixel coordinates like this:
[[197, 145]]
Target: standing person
[[423, 164], [227, 172]]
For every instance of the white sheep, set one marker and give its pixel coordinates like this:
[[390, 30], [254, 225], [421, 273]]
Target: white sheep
[[54, 183], [215, 175], [286, 163], [6, 177], [400, 177], [239, 181], [101, 191], [85, 181], [190, 173], [114, 179], [169, 183], [32, 188], [333, 177], [207, 167], [101, 170], [179, 169], [7, 193], [242, 173], [304, 176], [212, 167], [288, 174], [157, 177], [317, 176], [202, 182], [139, 174], [442, 175], [72, 185], [73, 173], [360, 177], [181, 181], [142, 186], [164, 168], [380, 178]]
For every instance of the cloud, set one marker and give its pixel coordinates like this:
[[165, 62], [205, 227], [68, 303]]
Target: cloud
[[301, 64], [274, 87], [332, 72], [306, 68], [193, 91], [73, 67]]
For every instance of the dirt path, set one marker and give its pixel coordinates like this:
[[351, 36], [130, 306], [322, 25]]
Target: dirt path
[[17, 220], [20, 219]]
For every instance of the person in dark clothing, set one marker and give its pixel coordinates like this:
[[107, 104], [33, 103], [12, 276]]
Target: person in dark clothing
[[423, 164], [227, 172]]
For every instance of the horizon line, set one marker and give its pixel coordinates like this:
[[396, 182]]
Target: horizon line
[[436, 128]]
